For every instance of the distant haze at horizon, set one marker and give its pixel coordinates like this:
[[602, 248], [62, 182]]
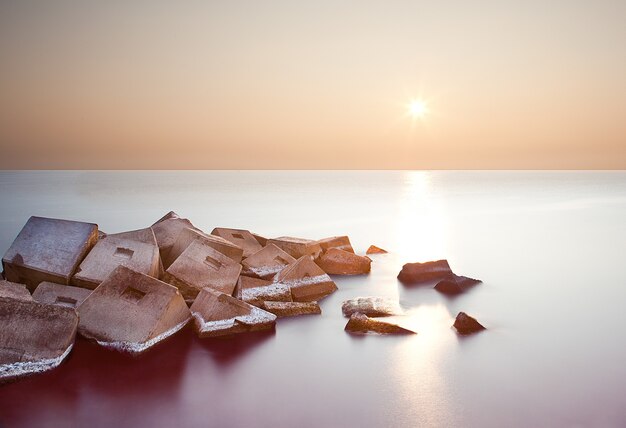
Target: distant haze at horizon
[[312, 85]]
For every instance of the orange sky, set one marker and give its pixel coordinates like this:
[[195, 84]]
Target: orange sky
[[320, 84]]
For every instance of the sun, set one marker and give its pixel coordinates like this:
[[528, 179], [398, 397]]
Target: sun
[[417, 109]]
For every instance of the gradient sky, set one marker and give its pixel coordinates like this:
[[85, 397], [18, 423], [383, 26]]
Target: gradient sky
[[315, 84]]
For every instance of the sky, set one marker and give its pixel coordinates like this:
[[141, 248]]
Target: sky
[[312, 84]]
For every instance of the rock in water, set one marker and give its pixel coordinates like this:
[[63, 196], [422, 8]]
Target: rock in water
[[267, 262], [306, 280], [414, 273], [255, 291], [371, 306], [466, 324], [217, 314], [33, 337], [373, 249], [361, 324], [297, 247], [340, 262], [241, 238], [48, 249], [59, 294], [292, 309], [455, 284], [14, 290], [339, 242], [131, 312]]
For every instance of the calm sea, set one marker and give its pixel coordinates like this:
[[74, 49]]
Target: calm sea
[[549, 246]]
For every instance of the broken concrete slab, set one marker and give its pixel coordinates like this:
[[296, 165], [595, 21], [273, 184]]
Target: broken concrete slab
[[240, 237], [260, 239], [201, 266], [14, 290], [292, 309], [218, 314], [111, 252], [371, 306], [59, 294], [340, 262], [340, 242], [414, 273], [255, 291], [362, 324], [306, 280], [297, 247], [267, 262], [465, 324], [456, 284], [131, 312], [33, 337], [48, 249], [373, 249], [188, 235]]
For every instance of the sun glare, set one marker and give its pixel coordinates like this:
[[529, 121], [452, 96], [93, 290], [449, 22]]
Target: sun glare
[[417, 109]]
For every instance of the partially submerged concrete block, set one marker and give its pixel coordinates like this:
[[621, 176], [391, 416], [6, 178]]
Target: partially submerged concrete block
[[111, 252], [59, 294], [362, 324], [340, 242], [239, 237], [340, 262], [456, 284], [255, 291], [132, 312], [14, 290], [297, 247], [465, 324], [33, 337], [371, 306], [292, 309], [218, 314], [48, 249], [267, 262], [188, 235], [373, 249], [306, 280], [201, 266], [413, 273]]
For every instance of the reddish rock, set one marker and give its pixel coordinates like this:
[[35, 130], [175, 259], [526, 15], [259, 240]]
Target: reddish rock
[[202, 266], [339, 242], [218, 314], [187, 236], [340, 262], [48, 249], [371, 306], [14, 290], [413, 273], [111, 252], [255, 291], [33, 337], [59, 294], [292, 309], [362, 324], [373, 249], [465, 324], [297, 247], [267, 262], [132, 312], [306, 280], [455, 284], [241, 238]]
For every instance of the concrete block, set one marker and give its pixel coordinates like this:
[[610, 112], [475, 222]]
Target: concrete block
[[187, 236], [267, 262], [255, 291], [241, 238], [373, 249], [14, 290], [465, 324], [362, 324], [145, 235], [292, 309], [306, 280], [166, 231], [413, 273], [339, 262], [58, 294], [339, 242], [371, 306], [297, 247], [260, 239]]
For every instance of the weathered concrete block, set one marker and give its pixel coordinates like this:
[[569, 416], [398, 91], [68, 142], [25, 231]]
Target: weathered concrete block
[[111, 252], [413, 273], [132, 312], [292, 309], [260, 239], [187, 236], [297, 247], [373, 249], [202, 266], [14, 290], [267, 262], [339, 262], [456, 284], [58, 294], [339, 242], [306, 280], [255, 291], [33, 337], [362, 324], [465, 324], [241, 238], [48, 249], [166, 231], [371, 306], [218, 314]]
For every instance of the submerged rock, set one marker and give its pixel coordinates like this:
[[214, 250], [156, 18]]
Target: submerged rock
[[371, 306], [292, 309], [33, 337], [466, 324], [361, 324], [339, 242], [340, 262], [218, 314], [187, 236], [455, 284], [14, 290], [267, 262], [373, 249], [306, 280], [413, 273], [48, 249], [241, 238], [297, 247], [131, 312], [255, 291], [59, 294]]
